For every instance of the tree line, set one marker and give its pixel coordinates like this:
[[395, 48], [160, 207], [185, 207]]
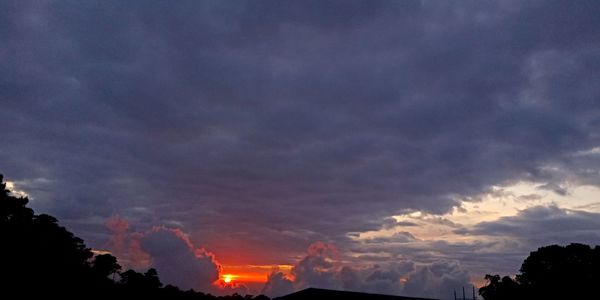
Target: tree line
[[551, 272], [40, 258]]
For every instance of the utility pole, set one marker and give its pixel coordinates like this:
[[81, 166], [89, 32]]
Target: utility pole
[[464, 298], [455, 294]]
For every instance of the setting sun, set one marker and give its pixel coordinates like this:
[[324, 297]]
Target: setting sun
[[227, 278]]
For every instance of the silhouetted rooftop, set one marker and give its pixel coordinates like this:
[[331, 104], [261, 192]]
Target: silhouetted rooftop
[[314, 293]]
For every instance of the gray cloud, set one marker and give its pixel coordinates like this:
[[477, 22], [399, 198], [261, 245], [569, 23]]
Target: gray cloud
[[387, 279], [282, 123], [180, 263], [277, 285], [543, 225], [554, 188], [389, 223], [437, 280], [397, 237], [173, 253], [321, 267]]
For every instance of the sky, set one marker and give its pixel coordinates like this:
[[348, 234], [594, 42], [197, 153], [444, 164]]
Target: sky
[[400, 147]]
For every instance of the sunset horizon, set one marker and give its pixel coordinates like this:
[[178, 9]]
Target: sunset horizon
[[410, 148]]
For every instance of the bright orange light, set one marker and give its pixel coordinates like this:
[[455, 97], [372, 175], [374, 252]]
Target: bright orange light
[[227, 278], [251, 273]]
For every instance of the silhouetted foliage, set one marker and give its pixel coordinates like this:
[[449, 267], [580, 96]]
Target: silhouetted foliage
[[134, 283], [38, 257], [498, 289], [551, 272], [105, 265]]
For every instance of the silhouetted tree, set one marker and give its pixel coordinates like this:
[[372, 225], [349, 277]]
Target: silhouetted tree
[[38, 255], [105, 265], [135, 284], [499, 289], [551, 272], [147, 281], [39, 258], [564, 272]]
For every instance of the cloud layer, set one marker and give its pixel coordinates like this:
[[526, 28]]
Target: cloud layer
[[322, 268], [261, 127]]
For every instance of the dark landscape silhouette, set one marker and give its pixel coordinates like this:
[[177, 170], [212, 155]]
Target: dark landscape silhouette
[[552, 272], [314, 293], [40, 258]]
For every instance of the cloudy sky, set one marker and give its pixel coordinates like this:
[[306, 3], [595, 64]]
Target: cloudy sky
[[404, 147]]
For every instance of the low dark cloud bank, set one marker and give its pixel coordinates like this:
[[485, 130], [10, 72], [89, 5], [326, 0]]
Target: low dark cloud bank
[[321, 267], [281, 123]]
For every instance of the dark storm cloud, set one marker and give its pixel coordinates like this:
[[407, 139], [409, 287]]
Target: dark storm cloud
[[305, 120]]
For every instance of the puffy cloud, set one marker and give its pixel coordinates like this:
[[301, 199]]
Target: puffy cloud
[[376, 279], [319, 268], [126, 245], [119, 227], [172, 252], [437, 280], [277, 285], [323, 267], [178, 262]]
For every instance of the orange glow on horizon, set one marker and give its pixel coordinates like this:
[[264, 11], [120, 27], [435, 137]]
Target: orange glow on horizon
[[227, 278], [231, 274], [243, 277]]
